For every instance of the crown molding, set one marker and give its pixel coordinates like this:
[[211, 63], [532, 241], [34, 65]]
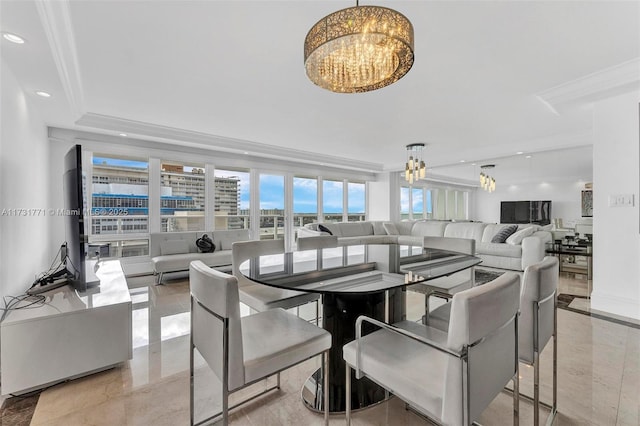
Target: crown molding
[[599, 85], [192, 139], [56, 21]]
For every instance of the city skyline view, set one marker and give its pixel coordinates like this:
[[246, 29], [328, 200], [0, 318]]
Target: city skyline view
[[272, 189]]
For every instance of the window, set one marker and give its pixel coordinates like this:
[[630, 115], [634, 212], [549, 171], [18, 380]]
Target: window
[[417, 202], [404, 202], [305, 201], [429, 204], [332, 201], [271, 207], [356, 202], [441, 204], [181, 197], [119, 206], [232, 196]]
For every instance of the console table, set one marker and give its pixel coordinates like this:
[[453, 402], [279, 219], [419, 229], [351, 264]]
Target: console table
[[565, 252], [72, 334]]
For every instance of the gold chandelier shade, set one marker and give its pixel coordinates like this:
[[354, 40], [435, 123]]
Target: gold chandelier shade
[[359, 49]]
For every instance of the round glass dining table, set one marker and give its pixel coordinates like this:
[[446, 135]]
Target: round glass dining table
[[353, 280]]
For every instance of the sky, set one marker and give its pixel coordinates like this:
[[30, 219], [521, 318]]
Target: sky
[[305, 191]]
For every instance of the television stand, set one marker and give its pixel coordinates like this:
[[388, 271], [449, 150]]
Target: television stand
[[73, 334]]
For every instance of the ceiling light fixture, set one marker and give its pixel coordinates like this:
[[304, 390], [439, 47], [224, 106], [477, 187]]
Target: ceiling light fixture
[[43, 94], [13, 38], [359, 49], [415, 168], [487, 182], [124, 135]]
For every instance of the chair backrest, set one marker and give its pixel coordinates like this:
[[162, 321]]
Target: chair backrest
[[539, 283], [322, 241], [218, 293], [483, 319], [460, 245], [243, 250]]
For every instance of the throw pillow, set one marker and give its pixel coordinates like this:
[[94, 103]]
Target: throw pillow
[[174, 247], [324, 229], [504, 233], [390, 228], [516, 238], [205, 245]]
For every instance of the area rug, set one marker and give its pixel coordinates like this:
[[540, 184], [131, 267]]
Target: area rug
[[484, 276], [18, 411]]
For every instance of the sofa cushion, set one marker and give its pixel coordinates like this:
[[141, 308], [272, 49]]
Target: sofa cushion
[[498, 249], [405, 227], [378, 228], [517, 237], [390, 227], [470, 230], [180, 262], [225, 238], [504, 233], [355, 229], [429, 229], [174, 247]]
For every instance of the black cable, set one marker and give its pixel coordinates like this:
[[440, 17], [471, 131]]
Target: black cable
[[11, 303]]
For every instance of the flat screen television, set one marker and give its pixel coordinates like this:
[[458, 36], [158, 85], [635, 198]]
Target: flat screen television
[[74, 218], [525, 212]]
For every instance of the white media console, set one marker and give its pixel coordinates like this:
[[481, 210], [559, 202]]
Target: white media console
[[71, 335]]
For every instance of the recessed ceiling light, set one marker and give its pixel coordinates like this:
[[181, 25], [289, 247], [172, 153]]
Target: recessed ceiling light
[[246, 152], [462, 161], [519, 152], [473, 164], [124, 135], [43, 94], [13, 38], [528, 156]]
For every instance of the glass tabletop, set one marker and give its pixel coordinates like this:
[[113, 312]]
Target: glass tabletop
[[368, 268]]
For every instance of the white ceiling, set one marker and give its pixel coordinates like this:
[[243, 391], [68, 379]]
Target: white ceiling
[[230, 74]]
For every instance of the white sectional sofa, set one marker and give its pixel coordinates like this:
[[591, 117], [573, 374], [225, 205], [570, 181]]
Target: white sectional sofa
[[508, 256], [174, 251]]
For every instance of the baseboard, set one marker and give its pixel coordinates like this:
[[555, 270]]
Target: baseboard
[[621, 306]]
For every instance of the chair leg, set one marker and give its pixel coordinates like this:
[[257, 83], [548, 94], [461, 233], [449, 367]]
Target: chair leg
[[325, 359], [536, 388], [425, 319], [159, 279], [191, 401], [278, 378], [516, 396], [347, 408]]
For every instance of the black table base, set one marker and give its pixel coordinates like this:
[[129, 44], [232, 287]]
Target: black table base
[[339, 314]]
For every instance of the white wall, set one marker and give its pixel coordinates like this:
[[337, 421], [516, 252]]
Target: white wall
[[25, 248], [565, 199], [616, 270]]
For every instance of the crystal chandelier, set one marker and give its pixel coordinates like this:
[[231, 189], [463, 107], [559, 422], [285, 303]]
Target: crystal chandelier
[[414, 168], [359, 49], [487, 182]]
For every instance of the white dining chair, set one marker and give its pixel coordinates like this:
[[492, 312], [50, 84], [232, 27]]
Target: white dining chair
[[260, 297], [243, 351], [319, 242], [538, 325], [449, 377], [446, 287]]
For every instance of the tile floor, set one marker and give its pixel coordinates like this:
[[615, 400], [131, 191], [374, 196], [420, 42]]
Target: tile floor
[[599, 376]]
